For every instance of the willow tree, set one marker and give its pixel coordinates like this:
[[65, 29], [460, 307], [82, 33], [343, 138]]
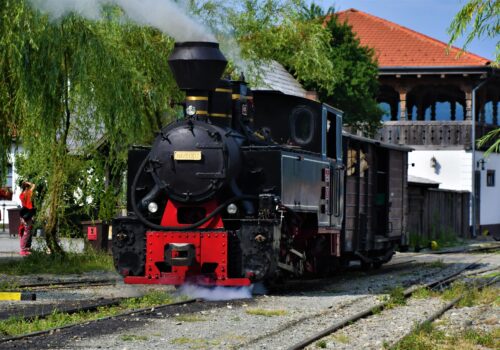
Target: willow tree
[[475, 20], [323, 55], [79, 81], [14, 31]]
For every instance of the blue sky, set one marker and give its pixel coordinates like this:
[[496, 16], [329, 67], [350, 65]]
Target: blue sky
[[430, 17]]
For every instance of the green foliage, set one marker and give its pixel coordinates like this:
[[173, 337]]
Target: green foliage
[[133, 337], [265, 312], [152, 298], [17, 326], [443, 238], [395, 298], [190, 318], [427, 337], [341, 338], [8, 284], [423, 293], [196, 343], [354, 83], [40, 262], [491, 141], [325, 57], [78, 93], [321, 344], [475, 20], [472, 296]]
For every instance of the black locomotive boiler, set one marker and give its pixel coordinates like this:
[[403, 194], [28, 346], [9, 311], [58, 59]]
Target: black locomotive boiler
[[254, 186]]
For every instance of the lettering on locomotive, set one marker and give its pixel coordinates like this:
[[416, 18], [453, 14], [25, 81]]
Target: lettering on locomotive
[[187, 155]]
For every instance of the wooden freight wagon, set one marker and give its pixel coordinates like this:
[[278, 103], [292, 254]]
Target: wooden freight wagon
[[376, 198]]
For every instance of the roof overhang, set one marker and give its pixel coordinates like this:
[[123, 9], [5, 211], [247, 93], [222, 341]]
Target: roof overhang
[[376, 143], [435, 70]]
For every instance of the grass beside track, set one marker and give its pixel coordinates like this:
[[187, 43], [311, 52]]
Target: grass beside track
[[428, 337], [17, 326], [71, 263]]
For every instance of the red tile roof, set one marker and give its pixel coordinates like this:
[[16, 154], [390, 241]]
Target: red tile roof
[[398, 46]]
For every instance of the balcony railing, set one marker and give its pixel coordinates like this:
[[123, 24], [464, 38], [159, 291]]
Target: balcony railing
[[432, 133]]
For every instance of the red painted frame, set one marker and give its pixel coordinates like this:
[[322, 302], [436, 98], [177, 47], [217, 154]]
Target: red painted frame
[[210, 246]]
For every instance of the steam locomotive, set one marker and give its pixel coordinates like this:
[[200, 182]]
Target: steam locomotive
[[254, 186]]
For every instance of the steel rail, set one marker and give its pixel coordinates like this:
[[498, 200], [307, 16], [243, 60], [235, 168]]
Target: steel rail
[[466, 250], [448, 306], [68, 284], [370, 311], [123, 314], [68, 311]]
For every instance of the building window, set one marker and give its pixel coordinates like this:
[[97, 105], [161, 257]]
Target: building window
[[8, 178], [490, 178]]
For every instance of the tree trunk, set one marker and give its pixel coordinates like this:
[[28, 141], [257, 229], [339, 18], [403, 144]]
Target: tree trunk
[[55, 202]]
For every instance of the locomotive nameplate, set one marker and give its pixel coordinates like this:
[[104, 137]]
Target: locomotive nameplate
[[187, 155]]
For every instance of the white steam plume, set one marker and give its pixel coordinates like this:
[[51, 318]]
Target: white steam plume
[[216, 293], [164, 15]]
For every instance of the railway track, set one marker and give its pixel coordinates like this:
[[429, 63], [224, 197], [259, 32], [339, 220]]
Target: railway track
[[354, 309], [487, 249], [16, 341], [351, 273], [67, 284], [346, 306], [453, 303], [28, 314], [438, 284]]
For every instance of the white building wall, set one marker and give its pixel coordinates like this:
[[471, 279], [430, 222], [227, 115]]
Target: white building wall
[[5, 205], [453, 171], [453, 168], [490, 195]]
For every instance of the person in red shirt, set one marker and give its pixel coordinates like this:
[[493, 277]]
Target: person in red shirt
[[27, 213]]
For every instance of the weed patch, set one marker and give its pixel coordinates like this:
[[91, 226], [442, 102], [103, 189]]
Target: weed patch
[[321, 344], [441, 239], [428, 337], [196, 343], [190, 318], [152, 298], [491, 275], [17, 326], [265, 312], [472, 295], [395, 298], [132, 337], [341, 338], [424, 293], [8, 285]]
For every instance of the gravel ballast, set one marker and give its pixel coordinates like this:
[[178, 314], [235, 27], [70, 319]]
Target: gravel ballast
[[283, 319]]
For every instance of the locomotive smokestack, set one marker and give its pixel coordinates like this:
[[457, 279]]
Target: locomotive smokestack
[[197, 65], [197, 68]]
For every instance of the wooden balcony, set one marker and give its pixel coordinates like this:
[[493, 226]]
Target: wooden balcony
[[432, 134]]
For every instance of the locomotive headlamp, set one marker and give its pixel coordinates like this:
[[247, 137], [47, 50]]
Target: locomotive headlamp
[[190, 110], [153, 207], [232, 209]]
